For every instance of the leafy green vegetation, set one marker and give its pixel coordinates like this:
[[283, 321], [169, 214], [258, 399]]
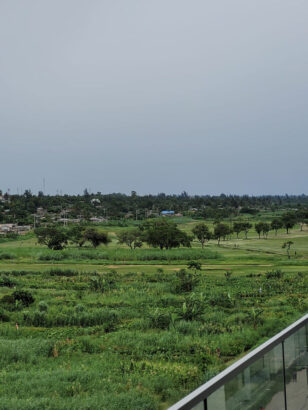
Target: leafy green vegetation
[[113, 327]]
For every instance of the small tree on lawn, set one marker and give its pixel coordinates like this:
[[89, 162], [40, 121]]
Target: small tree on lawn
[[194, 265], [265, 229], [288, 220], [52, 236], [164, 234], [246, 227], [131, 237], [237, 228], [287, 246], [76, 235], [259, 228], [221, 230], [202, 233], [276, 224], [96, 237]]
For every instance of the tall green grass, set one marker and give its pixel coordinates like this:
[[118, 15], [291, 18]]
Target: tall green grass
[[117, 255]]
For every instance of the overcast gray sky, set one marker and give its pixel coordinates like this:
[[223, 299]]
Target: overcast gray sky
[[154, 95]]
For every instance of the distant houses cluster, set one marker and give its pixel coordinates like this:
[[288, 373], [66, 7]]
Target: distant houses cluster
[[62, 217], [14, 228]]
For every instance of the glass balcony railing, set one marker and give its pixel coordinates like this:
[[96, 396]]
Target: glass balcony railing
[[274, 376]]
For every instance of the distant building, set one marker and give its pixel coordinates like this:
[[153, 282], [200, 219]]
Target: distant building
[[5, 228], [97, 219], [22, 229], [41, 211], [65, 221], [167, 213]]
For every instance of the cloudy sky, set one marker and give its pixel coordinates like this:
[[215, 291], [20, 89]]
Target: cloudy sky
[[154, 96]]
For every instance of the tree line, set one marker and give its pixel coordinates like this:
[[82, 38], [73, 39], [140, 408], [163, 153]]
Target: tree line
[[162, 233], [20, 208]]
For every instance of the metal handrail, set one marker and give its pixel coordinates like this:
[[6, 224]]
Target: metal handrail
[[202, 392]]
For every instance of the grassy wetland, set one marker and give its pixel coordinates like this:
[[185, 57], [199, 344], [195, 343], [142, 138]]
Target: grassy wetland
[[111, 327]]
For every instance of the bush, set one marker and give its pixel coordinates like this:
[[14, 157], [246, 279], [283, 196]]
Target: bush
[[275, 274], [105, 282], [8, 300], [43, 307], [12, 235], [6, 256], [223, 300], [159, 319], [4, 317], [6, 281], [192, 308], [185, 281], [24, 297], [79, 308], [63, 272]]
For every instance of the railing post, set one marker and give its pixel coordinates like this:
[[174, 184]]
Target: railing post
[[205, 404], [284, 377]]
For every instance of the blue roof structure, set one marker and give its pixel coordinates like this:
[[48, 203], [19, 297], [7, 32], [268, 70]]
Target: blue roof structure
[[167, 212]]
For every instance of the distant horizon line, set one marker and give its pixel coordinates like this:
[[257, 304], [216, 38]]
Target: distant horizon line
[[184, 193]]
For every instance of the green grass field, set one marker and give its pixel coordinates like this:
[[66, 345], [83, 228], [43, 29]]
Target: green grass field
[[112, 328]]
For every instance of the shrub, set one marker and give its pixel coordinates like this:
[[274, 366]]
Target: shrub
[[43, 307], [6, 256], [254, 317], [104, 282], [4, 317], [192, 308], [12, 235], [6, 281], [253, 275], [185, 281], [274, 274], [52, 236], [223, 300], [8, 300], [79, 308], [159, 319], [24, 297], [63, 272], [228, 274], [194, 265]]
